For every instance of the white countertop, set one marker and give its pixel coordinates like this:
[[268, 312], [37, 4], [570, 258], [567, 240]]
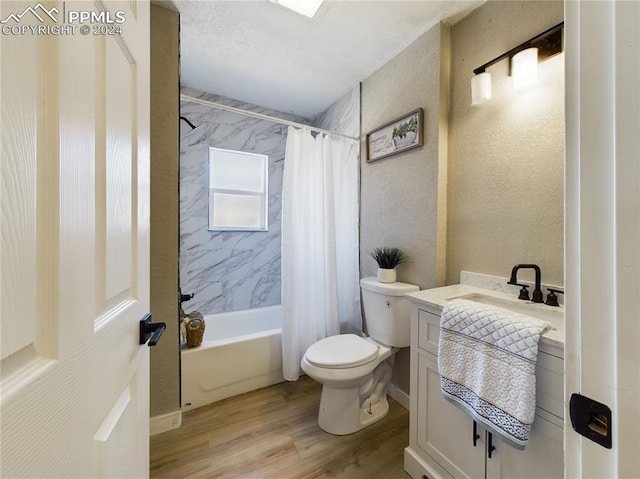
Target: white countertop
[[435, 299]]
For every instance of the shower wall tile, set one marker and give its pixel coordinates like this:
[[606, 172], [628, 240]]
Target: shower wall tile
[[343, 116], [228, 271]]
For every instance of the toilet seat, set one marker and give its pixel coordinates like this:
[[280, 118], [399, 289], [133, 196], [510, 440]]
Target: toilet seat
[[341, 351]]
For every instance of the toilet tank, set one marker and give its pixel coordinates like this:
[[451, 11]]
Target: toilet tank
[[387, 313]]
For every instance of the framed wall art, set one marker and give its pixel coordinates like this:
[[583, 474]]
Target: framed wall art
[[401, 134]]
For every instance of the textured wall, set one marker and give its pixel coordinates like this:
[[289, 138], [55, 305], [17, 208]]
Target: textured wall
[[505, 189], [165, 360], [400, 194]]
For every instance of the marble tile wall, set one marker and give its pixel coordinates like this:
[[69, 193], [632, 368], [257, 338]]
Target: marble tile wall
[[232, 271], [227, 271], [343, 116]]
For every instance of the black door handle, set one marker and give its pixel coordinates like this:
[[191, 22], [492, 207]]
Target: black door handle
[[149, 329]]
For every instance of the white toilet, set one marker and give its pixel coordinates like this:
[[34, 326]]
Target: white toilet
[[355, 371]]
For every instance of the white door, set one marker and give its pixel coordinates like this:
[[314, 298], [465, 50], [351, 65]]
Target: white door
[[75, 241], [603, 230]]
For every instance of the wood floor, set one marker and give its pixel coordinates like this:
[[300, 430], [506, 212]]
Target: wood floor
[[273, 433]]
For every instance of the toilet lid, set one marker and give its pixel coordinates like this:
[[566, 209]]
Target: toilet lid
[[341, 351]]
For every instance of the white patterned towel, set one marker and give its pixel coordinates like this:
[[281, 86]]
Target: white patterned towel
[[487, 364]]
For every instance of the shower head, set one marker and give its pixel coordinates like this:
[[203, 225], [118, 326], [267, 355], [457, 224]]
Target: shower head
[[199, 128], [193, 127], [191, 136]]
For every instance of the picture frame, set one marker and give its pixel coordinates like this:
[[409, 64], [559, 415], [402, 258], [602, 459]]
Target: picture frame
[[402, 134]]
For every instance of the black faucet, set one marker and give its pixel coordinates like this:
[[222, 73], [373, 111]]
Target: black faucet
[[537, 292]]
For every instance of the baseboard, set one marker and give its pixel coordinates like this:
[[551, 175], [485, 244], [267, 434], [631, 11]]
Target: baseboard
[[417, 468], [165, 422], [399, 395]]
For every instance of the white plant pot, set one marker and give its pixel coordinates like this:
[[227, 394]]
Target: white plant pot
[[386, 275]]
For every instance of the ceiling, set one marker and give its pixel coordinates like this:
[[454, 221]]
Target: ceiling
[[261, 53]]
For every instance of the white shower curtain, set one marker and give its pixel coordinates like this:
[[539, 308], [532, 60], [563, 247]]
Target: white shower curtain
[[320, 266]]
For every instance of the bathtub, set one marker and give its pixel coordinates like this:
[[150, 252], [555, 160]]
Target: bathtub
[[241, 351]]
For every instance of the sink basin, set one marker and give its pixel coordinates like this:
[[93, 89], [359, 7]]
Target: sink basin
[[551, 314]]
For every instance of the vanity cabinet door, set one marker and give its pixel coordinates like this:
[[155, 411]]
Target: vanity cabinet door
[[445, 432], [543, 457]]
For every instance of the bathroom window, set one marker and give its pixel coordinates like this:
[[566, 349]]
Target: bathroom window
[[238, 190]]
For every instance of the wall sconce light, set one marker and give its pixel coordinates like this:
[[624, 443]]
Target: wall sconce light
[[523, 65]]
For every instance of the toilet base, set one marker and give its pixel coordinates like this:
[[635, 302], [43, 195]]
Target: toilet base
[[347, 410], [341, 413], [353, 398]]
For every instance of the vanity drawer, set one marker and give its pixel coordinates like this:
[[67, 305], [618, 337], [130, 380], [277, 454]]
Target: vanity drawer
[[428, 331]]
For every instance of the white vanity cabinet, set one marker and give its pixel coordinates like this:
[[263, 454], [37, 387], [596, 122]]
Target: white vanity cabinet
[[442, 440]]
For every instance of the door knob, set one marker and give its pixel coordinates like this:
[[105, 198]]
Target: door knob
[[149, 329]]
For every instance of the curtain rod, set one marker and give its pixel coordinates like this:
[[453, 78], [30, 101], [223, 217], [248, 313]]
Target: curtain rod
[[262, 116]]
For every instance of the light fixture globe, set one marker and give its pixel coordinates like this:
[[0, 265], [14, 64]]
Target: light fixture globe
[[524, 68], [480, 88]]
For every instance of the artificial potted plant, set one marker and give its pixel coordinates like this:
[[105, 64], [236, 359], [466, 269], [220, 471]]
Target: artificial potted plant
[[387, 259]]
